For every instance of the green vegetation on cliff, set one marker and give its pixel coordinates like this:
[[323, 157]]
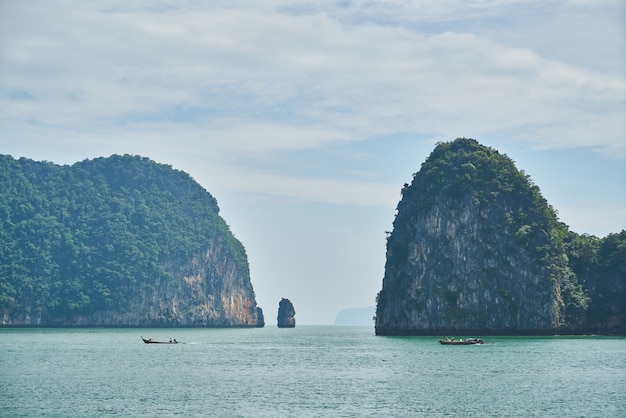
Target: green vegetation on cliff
[[476, 247], [600, 265], [99, 235]]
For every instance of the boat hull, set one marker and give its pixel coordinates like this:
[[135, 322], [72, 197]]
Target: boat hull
[[469, 341]]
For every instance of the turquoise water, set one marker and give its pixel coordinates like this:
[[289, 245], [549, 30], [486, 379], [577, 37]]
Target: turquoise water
[[306, 371]]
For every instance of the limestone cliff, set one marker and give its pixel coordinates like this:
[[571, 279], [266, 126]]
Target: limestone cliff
[[118, 241], [476, 249], [207, 291], [286, 314]]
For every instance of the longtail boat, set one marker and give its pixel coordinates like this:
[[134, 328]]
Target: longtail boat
[[151, 341], [467, 341]]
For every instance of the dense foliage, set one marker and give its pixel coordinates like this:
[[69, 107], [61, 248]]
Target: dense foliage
[[83, 238], [600, 264]]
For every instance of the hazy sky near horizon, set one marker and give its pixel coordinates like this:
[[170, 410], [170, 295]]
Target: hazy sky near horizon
[[304, 119]]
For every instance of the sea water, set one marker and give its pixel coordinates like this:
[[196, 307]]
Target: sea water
[[308, 371]]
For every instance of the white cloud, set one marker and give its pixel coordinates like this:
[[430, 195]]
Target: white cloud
[[330, 190], [239, 78]]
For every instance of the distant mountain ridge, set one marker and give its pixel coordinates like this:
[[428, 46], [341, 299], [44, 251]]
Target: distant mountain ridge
[[356, 316], [476, 249], [117, 241]]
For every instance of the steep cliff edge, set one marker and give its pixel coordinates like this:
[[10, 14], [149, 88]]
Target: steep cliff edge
[[474, 249], [118, 241]]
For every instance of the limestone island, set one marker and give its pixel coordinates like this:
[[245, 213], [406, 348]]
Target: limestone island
[[476, 250]]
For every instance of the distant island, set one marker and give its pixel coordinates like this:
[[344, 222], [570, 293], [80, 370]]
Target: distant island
[[476, 249], [356, 316], [117, 241]]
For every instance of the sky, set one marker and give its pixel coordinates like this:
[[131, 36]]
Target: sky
[[304, 119]]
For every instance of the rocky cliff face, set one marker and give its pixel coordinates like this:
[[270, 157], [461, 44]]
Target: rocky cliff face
[[118, 241], [207, 291], [286, 314], [475, 249]]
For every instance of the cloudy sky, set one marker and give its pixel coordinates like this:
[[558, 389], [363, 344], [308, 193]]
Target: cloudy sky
[[304, 119]]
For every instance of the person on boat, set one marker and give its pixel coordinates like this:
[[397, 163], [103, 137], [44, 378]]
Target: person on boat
[[175, 342], [170, 340]]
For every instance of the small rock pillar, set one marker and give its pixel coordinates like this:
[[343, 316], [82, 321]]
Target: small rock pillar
[[286, 314]]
